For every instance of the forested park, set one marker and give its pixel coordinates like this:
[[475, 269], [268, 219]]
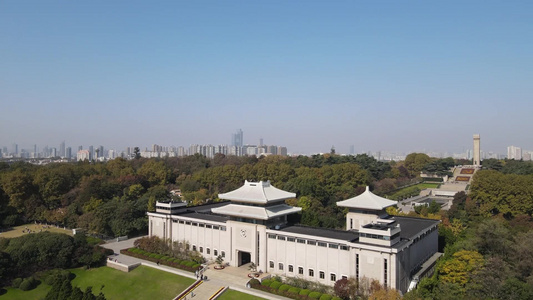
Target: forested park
[[486, 235]]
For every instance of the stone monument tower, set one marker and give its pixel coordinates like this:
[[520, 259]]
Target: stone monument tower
[[477, 151]]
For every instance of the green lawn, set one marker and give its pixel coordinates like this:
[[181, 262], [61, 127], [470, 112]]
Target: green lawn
[[427, 185], [35, 294], [235, 295], [141, 283], [17, 231]]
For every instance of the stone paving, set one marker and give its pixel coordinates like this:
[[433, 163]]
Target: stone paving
[[232, 277]]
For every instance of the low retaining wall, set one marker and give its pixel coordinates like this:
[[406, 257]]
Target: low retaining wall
[[121, 267]]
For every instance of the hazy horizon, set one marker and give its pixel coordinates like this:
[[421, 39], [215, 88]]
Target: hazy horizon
[[391, 76]]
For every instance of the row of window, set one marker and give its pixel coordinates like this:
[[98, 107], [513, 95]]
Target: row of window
[[215, 227], [208, 251], [308, 242], [311, 272], [379, 237]]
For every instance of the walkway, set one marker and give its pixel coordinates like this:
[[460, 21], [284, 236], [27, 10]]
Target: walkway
[[232, 277]]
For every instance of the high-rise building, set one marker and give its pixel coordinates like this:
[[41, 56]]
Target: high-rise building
[[68, 153], [62, 149], [83, 155], [237, 139], [477, 150], [514, 153], [91, 153], [15, 149]]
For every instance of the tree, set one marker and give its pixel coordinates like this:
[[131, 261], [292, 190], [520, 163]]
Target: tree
[[136, 153], [460, 269], [415, 162], [342, 288]]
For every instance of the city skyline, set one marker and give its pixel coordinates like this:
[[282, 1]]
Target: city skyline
[[403, 77]]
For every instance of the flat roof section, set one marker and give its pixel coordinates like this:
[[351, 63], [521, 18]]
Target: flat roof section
[[205, 217], [412, 226], [314, 232]]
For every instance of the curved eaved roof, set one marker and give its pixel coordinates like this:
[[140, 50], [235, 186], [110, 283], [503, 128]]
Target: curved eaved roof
[[367, 200], [257, 192]]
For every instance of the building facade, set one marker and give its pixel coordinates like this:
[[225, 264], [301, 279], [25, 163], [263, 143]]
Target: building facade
[[252, 226]]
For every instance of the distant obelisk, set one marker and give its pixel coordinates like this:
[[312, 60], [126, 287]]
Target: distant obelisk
[[477, 150]]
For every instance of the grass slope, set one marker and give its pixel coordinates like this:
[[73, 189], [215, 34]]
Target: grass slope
[[17, 231], [141, 283], [235, 295]]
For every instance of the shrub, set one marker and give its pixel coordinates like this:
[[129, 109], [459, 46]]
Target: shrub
[[16, 282], [28, 284], [266, 282], [183, 262], [196, 266], [314, 295], [294, 290], [284, 287], [158, 256], [132, 250], [336, 298], [190, 263], [275, 285], [152, 255], [325, 297], [305, 292], [254, 282]]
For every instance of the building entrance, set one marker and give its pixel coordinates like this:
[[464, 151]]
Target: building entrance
[[244, 258]]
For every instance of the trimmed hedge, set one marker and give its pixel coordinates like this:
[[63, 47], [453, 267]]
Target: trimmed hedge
[[284, 287], [28, 284], [315, 295], [294, 290], [275, 287], [16, 282], [186, 265], [266, 282]]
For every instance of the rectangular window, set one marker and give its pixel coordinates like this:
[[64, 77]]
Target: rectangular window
[[193, 247], [300, 270], [208, 226], [321, 244], [271, 264], [223, 253], [181, 222], [351, 223], [223, 228], [357, 267], [344, 247], [301, 241], [201, 224], [344, 277], [280, 266], [334, 246], [215, 252], [311, 243], [332, 277], [281, 237], [290, 239], [321, 275], [291, 268], [215, 227], [201, 249], [271, 236], [385, 273], [194, 224], [208, 250], [311, 273], [187, 223]]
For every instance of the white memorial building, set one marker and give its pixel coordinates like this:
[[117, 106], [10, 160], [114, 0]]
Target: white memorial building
[[252, 227]]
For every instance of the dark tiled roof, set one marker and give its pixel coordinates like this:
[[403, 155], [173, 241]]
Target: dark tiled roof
[[412, 226], [204, 216], [322, 232]]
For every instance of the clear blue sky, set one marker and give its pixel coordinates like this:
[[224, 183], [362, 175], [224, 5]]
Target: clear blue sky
[[381, 75]]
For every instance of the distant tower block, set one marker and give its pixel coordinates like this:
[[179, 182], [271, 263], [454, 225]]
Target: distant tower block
[[477, 151]]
